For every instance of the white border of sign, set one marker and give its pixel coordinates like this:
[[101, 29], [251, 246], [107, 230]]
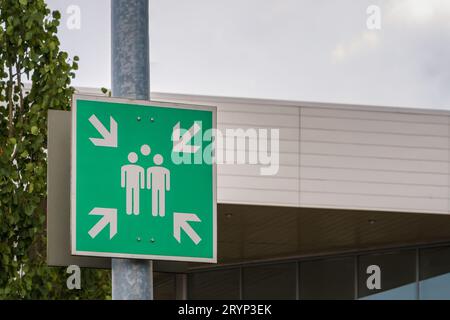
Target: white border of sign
[[73, 175]]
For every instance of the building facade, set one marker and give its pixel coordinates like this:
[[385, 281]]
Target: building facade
[[357, 208]]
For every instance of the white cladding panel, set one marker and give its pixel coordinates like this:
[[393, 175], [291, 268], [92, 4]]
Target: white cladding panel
[[374, 159], [352, 157]]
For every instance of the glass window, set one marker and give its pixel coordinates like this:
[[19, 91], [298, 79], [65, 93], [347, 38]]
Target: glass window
[[270, 282], [164, 286], [327, 279], [392, 278], [212, 285], [435, 273]]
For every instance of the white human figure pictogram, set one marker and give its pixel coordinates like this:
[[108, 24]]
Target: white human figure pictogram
[[132, 179], [158, 180]]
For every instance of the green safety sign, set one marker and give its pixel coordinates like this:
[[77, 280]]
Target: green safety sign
[[143, 183]]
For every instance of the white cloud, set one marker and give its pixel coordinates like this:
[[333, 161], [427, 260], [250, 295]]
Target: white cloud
[[419, 11], [363, 42], [290, 49]]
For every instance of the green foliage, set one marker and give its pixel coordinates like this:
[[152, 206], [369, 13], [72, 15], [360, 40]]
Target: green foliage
[[29, 52], [106, 92]]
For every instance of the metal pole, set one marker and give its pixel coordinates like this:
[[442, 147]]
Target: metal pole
[[131, 279]]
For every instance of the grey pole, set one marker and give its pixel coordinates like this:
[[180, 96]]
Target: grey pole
[[131, 279]]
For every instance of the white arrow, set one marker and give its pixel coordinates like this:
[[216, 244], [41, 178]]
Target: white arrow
[[109, 217], [181, 142], [180, 221], [109, 137]]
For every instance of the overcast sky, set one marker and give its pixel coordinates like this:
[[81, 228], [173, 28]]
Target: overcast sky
[[307, 50]]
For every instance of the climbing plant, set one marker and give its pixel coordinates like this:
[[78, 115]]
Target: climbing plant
[[35, 76]]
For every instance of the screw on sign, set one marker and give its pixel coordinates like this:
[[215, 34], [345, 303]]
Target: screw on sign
[[131, 195]]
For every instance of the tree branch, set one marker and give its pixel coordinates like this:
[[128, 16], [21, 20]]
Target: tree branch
[[10, 103], [19, 83]]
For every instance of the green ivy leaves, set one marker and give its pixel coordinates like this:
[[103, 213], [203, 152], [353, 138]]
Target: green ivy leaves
[[30, 53], [34, 130]]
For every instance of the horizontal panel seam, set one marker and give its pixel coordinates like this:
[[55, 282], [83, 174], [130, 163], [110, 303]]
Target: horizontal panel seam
[[375, 170], [258, 126], [403, 209], [374, 145], [295, 190], [255, 176], [378, 120], [222, 110], [378, 182], [375, 195], [380, 132], [369, 157]]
